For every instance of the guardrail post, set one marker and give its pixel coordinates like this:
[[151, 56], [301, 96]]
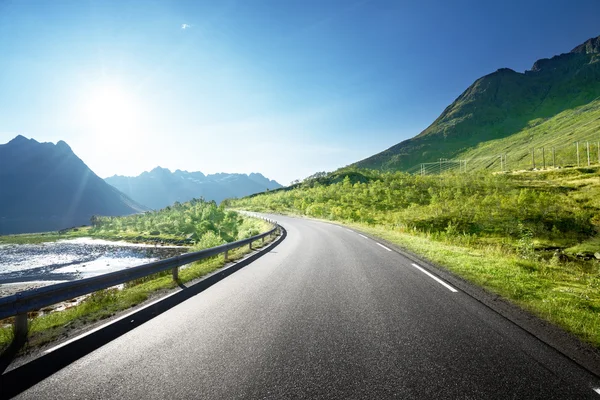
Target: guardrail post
[[175, 272], [250, 245], [20, 328], [225, 256], [263, 240]]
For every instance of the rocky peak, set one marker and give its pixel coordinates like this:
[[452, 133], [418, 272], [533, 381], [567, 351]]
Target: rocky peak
[[63, 146], [590, 46]]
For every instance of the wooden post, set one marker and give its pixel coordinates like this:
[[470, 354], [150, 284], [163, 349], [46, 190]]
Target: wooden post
[[587, 146], [543, 158], [501, 163], [577, 153], [506, 161], [533, 158], [553, 158]]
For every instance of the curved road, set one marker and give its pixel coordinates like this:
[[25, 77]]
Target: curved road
[[327, 314]]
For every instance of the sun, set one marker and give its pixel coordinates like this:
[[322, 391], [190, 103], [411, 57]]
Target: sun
[[111, 111]]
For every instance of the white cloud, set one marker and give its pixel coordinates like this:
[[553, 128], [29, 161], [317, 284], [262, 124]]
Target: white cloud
[[185, 26]]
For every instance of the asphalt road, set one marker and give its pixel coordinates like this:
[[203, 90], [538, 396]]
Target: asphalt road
[[328, 314]]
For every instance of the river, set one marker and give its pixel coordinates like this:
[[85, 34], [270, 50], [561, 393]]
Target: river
[[27, 266]]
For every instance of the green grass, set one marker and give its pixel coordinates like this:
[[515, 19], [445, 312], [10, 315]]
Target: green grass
[[527, 236], [106, 303]]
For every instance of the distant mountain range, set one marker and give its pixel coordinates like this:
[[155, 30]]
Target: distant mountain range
[[557, 97], [161, 187], [45, 186]]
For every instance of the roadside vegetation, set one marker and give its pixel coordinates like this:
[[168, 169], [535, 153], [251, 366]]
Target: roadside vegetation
[[205, 224], [531, 237]]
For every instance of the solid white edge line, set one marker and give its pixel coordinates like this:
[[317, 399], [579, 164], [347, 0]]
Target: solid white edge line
[[383, 246], [363, 236], [450, 288], [597, 390], [50, 350]]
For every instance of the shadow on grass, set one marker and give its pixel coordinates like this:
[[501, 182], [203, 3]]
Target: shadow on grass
[[22, 378]]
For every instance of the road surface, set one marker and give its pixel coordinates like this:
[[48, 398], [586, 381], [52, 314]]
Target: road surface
[[328, 314]]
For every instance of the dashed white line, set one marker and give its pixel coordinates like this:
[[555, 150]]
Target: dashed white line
[[597, 390], [363, 236], [349, 230], [383, 246], [450, 288]]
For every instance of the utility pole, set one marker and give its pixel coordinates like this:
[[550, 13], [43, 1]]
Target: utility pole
[[587, 146], [543, 158]]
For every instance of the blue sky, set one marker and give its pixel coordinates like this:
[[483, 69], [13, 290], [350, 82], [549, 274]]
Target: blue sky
[[281, 87]]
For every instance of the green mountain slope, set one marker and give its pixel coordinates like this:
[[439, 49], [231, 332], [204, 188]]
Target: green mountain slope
[[554, 140], [500, 105]]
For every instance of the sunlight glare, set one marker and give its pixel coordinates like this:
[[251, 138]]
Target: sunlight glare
[[111, 111]]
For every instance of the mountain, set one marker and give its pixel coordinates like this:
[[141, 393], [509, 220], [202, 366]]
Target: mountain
[[161, 187], [500, 105], [45, 186]]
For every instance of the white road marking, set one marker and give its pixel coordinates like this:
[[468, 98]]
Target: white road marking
[[383, 246], [349, 230], [450, 288], [597, 390], [108, 323], [363, 236]]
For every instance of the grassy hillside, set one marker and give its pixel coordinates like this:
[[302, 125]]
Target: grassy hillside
[[500, 105], [560, 132], [530, 237]]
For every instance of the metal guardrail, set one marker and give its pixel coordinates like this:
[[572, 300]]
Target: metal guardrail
[[21, 303]]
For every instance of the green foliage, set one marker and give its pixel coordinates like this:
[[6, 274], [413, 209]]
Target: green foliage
[[208, 240], [460, 207], [202, 222]]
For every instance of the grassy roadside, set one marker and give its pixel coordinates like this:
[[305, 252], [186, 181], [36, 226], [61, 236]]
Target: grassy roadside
[[532, 237], [567, 295], [106, 303]]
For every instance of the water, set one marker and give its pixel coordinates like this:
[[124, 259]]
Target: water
[[25, 266]]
